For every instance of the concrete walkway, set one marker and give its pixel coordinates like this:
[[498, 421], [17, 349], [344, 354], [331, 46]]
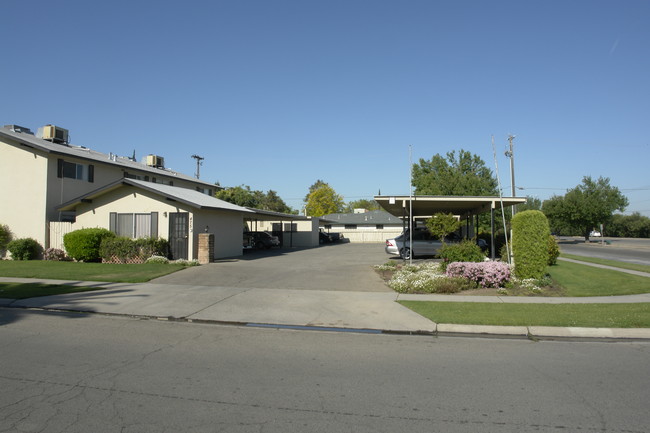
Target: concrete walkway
[[611, 268], [320, 309]]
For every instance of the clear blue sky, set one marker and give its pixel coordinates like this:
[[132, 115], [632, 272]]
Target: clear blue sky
[[277, 94]]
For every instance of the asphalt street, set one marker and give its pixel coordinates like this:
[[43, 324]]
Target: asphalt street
[[90, 373], [621, 249]]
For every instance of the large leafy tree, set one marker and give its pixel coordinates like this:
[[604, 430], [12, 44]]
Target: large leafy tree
[[323, 200], [584, 207], [362, 204], [244, 196], [239, 195], [460, 174], [272, 201], [314, 187]]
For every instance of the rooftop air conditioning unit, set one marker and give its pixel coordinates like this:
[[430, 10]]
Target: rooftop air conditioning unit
[[18, 128], [54, 134], [155, 161]]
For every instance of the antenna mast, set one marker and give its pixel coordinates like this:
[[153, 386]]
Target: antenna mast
[[199, 162]]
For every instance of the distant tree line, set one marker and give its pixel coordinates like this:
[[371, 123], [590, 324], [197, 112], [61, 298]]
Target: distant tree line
[[582, 209]]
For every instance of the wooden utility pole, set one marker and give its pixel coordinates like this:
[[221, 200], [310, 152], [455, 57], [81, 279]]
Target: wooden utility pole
[[199, 160]]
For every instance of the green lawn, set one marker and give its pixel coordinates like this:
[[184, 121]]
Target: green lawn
[[575, 279], [85, 271], [578, 315], [583, 280], [33, 290]]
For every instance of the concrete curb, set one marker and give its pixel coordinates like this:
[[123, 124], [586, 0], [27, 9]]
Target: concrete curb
[[436, 330]]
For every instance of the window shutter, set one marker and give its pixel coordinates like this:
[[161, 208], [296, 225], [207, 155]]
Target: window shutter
[[154, 224], [91, 173], [112, 222], [59, 168]]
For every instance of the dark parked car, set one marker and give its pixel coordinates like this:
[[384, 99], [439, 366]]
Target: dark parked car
[[328, 237], [260, 240]]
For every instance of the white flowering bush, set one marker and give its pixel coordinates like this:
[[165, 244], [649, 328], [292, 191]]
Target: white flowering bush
[[485, 274], [186, 262], [533, 285], [426, 278], [388, 266], [158, 259]]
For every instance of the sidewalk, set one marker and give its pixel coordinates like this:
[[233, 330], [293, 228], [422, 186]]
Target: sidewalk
[[318, 309]]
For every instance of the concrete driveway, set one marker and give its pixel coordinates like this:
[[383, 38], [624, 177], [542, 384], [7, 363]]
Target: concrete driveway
[[334, 267]]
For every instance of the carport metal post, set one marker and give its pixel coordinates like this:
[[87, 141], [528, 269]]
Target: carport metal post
[[404, 223], [492, 255]]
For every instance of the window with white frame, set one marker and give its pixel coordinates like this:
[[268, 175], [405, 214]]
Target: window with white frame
[[134, 225]]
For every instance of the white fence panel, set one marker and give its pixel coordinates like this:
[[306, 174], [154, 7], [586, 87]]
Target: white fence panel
[[56, 232], [368, 237]]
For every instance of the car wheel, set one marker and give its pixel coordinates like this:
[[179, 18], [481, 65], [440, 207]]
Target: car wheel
[[260, 245], [405, 253]]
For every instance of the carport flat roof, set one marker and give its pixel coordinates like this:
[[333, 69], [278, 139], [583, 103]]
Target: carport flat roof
[[424, 206], [267, 215]]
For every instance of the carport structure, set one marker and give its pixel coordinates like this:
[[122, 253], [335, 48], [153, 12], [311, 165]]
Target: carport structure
[[466, 208], [292, 230]]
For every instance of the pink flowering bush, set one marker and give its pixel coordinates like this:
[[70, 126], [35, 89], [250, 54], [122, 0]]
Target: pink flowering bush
[[485, 274]]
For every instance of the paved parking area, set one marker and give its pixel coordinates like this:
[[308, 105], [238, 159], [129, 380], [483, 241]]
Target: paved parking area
[[335, 267]]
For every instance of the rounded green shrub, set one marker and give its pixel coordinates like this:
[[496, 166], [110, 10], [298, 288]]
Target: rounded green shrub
[[5, 237], [24, 249], [530, 232], [464, 251], [83, 244], [553, 250]]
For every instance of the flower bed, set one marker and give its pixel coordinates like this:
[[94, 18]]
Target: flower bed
[[485, 274]]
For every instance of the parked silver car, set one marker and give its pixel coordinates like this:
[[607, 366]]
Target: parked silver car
[[424, 244]]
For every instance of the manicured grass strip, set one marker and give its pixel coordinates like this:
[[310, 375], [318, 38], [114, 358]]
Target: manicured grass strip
[[615, 263], [33, 290], [584, 280], [575, 315], [85, 271]]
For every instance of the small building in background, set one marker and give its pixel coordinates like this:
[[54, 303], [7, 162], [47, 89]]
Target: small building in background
[[363, 226]]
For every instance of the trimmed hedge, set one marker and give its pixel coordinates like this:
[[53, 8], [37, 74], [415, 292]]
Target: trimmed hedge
[[83, 244], [24, 249], [127, 250], [530, 244]]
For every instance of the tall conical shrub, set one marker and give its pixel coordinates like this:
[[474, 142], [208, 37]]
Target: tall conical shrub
[[530, 232]]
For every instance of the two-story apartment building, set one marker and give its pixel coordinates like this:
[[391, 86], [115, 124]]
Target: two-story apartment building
[[40, 174]]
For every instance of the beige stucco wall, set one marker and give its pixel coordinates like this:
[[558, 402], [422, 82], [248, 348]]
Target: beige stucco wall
[[23, 191], [226, 226]]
